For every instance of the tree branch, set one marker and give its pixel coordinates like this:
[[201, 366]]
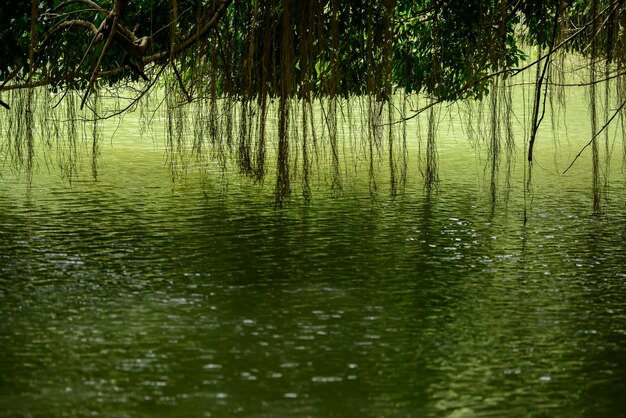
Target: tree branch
[[77, 22], [606, 125], [92, 80], [90, 3], [211, 19]]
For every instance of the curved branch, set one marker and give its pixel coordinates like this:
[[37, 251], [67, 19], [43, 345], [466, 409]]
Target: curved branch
[[77, 22], [211, 19], [123, 35], [90, 3]]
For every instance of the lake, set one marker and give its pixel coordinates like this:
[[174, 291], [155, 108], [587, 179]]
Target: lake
[[136, 295]]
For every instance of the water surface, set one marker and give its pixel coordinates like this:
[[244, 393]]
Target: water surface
[[136, 296]]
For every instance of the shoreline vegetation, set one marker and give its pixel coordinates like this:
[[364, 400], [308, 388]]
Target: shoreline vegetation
[[287, 85]]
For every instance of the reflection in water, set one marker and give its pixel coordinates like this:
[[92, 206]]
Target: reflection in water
[[121, 300], [135, 296]]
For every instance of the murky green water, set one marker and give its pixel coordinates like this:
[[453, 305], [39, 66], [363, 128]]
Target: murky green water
[[135, 296]]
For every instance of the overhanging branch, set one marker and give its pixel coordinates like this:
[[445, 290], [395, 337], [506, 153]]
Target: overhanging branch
[[210, 20]]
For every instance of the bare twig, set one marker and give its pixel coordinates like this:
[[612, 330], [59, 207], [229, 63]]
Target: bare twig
[[606, 125]]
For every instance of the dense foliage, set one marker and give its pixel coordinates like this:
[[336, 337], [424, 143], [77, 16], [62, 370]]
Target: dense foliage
[[448, 49]]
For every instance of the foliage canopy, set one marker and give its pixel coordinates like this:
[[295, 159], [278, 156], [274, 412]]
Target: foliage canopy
[[448, 50]]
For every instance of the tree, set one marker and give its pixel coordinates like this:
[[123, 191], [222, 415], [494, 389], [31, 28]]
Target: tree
[[252, 51], [446, 49]]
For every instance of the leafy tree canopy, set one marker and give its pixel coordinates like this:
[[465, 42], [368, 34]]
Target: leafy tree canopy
[[303, 48]]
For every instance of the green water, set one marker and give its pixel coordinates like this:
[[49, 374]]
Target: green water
[[135, 296]]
